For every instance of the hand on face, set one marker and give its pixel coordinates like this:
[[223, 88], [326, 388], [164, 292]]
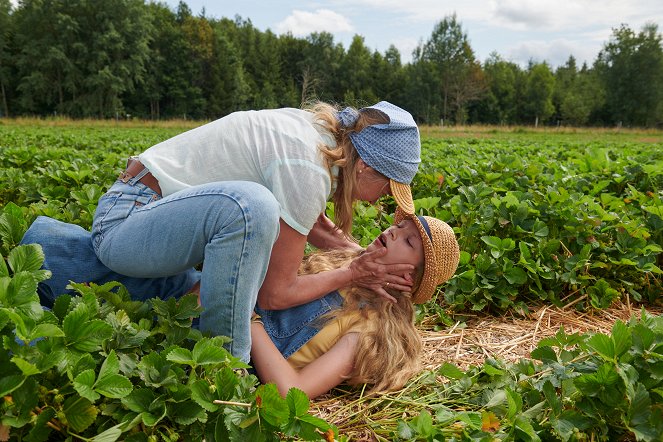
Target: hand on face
[[390, 260]]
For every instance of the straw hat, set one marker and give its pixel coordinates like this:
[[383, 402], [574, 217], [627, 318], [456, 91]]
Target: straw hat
[[441, 253]]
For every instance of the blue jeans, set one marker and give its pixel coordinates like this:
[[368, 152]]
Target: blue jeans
[[230, 225]]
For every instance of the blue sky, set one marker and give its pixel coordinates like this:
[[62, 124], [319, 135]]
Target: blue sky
[[518, 30]]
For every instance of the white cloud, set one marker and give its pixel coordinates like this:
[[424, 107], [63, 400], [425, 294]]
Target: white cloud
[[301, 23], [555, 52], [405, 46]]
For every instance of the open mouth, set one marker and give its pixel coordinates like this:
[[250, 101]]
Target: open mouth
[[383, 240]]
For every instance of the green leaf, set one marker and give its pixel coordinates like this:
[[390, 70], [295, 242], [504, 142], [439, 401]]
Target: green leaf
[[186, 413], [493, 241], [85, 362], [84, 385], [26, 258], [26, 367], [225, 382], [110, 366], [603, 345], [567, 423], [201, 392], [4, 271], [110, 435], [515, 276], [206, 352], [113, 386], [46, 331], [621, 337], [552, 398], [639, 409], [515, 402], [525, 429], [83, 333], [181, 356], [80, 412], [543, 354], [139, 400], [272, 408], [10, 383], [298, 402], [451, 371]]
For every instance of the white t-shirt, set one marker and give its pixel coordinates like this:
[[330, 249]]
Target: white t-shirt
[[277, 148]]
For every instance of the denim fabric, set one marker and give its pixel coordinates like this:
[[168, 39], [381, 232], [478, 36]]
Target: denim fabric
[[231, 225], [290, 329], [70, 257]]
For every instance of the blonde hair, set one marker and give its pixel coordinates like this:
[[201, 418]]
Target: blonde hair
[[389, 344], [344, 156]]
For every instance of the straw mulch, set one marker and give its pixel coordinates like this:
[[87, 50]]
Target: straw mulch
[[512, 337], [509, 338]]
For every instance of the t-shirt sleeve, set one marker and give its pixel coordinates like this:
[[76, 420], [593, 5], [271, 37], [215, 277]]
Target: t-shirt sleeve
[[302, 189]]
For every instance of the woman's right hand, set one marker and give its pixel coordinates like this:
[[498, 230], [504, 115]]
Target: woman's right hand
[[368, 273]]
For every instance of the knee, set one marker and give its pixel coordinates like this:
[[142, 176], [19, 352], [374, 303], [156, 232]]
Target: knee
[[264, 211]]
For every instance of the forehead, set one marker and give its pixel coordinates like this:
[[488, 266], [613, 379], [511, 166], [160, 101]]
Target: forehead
[[410, 226]]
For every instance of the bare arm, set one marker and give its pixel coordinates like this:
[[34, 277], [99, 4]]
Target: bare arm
[[318, 377], [325, 235], [283, 288]]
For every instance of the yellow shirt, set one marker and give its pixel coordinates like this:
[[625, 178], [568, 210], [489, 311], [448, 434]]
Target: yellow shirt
[[324, 340]]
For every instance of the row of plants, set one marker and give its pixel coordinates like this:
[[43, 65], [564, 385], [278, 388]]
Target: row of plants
[[549, 221], [101, 367], [545, 220]]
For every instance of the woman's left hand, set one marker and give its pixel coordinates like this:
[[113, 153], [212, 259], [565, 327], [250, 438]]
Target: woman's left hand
[[378, 277], [325, 235]]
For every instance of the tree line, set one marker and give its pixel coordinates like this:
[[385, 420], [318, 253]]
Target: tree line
[[119, 58]]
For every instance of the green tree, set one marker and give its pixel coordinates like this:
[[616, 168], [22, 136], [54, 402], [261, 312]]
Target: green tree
[[576, 94], [5, 56], [321, 67], [461, 78], [229, 91], [499, 105], [630, 66], [388, 76], [422, 89], [80, 56], [538, 92], [47, 35], [356, 81]]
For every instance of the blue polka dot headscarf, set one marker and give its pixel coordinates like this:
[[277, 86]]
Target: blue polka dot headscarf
[[392, 148]]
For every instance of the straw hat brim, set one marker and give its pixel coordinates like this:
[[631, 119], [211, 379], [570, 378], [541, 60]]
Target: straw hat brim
[[428, 285], [402, 195]]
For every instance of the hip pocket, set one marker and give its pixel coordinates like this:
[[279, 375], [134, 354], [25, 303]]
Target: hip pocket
[[113, 208]]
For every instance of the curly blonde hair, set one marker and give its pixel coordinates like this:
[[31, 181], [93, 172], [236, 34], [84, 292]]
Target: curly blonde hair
[[389, 344], [343, 155]]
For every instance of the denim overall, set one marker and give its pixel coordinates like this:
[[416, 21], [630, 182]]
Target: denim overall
[[69, 256]]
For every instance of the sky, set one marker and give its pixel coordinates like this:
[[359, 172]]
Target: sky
[[518, 30]]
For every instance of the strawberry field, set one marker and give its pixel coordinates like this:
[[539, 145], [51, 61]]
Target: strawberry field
[[543, 217]]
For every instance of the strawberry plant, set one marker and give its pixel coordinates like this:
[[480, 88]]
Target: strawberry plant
[[102, 367]]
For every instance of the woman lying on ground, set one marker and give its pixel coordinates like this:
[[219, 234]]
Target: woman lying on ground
[[349, 335]]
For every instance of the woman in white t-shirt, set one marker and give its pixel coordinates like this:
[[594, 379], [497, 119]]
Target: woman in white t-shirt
[[243, 195]]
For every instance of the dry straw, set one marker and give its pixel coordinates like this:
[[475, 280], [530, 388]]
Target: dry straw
[[468, 343]]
